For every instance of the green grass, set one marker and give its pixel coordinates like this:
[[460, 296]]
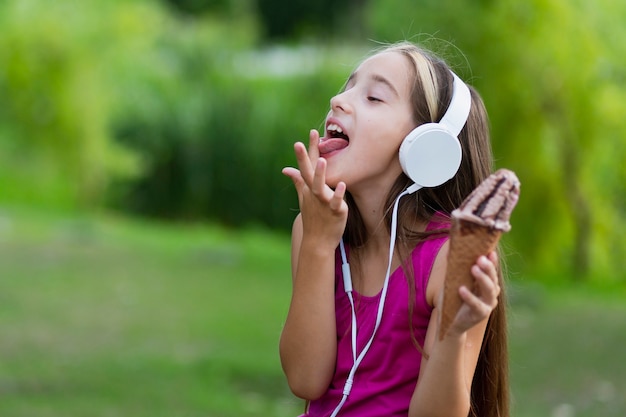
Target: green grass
[[115, 318], [105, 316], [568, 352]]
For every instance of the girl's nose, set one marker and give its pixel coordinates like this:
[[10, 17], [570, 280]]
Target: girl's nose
[[340, 103]]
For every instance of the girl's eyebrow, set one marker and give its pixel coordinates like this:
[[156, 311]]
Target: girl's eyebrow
[[378, 79]]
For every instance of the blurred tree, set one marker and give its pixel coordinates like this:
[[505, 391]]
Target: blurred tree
[[167, 101], [285, 20], [56, 148], [288, 19], [199, 8], [217, 139], [177, 115], [194, 7], [552, 76]]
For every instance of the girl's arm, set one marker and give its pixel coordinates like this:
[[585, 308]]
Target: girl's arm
[[308, 344], [445, 380]]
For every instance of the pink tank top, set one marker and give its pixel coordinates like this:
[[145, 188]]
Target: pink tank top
[[386, 378]]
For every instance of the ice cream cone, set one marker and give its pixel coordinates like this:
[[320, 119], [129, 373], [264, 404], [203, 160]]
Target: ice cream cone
[[476, 229], [468, 241]]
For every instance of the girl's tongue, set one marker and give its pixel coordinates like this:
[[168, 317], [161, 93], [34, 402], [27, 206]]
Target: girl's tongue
[[332, 144]]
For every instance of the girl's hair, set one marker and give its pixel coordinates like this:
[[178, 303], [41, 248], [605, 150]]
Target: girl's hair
[[430, 96]]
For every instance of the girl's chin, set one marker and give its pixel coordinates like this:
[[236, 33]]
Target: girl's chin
[[332, 182], [334, 175]]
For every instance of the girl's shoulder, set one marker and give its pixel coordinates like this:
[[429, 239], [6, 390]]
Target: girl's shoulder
[[436, 234], [429, 256]]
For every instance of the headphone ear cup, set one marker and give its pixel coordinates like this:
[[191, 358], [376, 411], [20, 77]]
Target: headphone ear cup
[[430, 155], [408, 144]]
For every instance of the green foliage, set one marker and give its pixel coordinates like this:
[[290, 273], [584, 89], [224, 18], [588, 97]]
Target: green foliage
[[302, 18], [56, 147], [552, 77], [216, 135], [131, 105], [122, 103], [166, 99], [199, 6]]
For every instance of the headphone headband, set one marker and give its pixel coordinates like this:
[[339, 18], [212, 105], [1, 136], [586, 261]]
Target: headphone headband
[[459, 107], [431, 153]]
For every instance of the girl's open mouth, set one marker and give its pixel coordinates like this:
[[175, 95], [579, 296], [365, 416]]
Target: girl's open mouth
[[335, 139]]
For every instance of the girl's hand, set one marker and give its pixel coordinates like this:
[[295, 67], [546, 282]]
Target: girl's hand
[[324, 212], [483, 299]]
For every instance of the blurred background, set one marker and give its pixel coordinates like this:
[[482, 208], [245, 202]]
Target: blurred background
[[144, 221]]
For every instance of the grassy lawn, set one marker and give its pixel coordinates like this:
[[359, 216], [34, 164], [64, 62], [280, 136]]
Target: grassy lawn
[[102, 316], [568, 352]]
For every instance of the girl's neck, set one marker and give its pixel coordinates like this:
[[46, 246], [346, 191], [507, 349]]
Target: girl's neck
[[374, 212]]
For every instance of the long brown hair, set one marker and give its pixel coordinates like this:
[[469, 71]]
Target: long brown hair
[[430, 96]]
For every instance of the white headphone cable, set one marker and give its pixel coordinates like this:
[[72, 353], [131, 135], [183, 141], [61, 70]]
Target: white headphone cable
[[347, 282]]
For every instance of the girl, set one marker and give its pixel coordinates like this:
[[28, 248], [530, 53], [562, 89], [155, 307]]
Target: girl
[[347, 183]]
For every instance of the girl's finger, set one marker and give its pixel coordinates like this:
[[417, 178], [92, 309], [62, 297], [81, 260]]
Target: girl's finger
[[314, 140], [304, 163], [319, 179], [337, 200], [294, 174], [487, 266], [478, 306], [487, 287]]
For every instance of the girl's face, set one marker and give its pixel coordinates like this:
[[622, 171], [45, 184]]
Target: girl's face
[[367, 123]]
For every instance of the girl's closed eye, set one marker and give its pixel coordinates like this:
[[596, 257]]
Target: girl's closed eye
[[374, 99]]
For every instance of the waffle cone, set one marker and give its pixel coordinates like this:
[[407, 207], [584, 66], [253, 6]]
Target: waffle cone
[[468, 241]]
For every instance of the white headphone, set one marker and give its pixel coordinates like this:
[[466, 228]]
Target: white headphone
[[430, 155]]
